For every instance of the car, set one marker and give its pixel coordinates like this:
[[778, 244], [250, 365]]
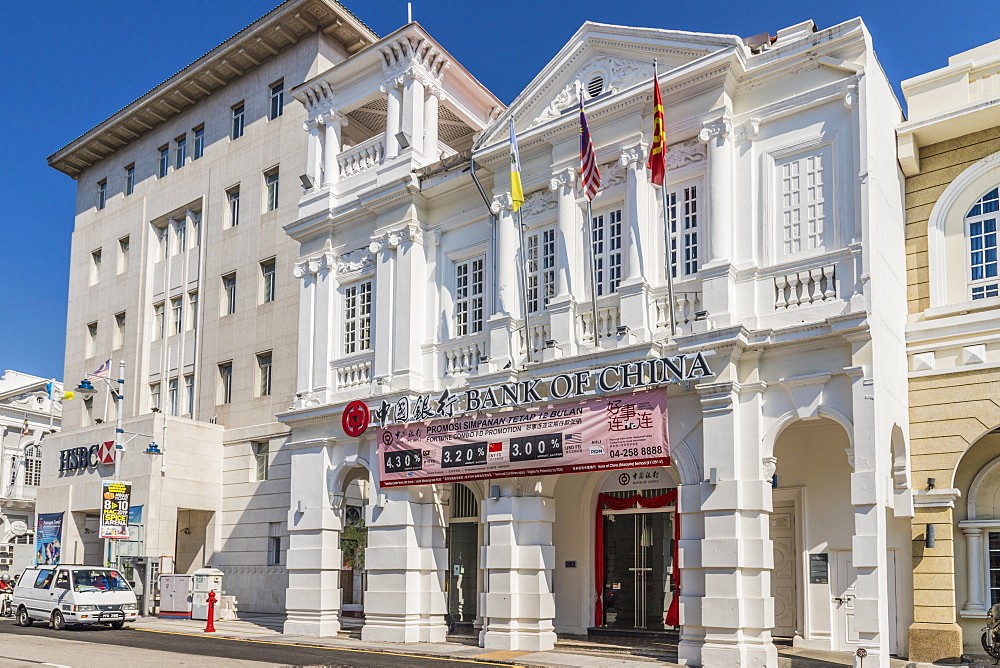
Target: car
[[67, 594]]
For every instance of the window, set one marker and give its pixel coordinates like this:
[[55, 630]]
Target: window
[[162, 236], [180, 236], [469, 286], [193, 310], [802, 203], [102, 193], [91, 343], [196, 227], [271, 189], [95, 266], [226, 382], [981, 229], [164, 160], [177, 314], [260, 455], [154, 396], [180, 151], [274, 544], [130, 179], [606, 230], [33, 465], [357, 317], [199, 142], [264, 366], [277, 99], [238, 120], [540, 252], [233, 196], [683, 202], [229, 290], [267, 281], [158, 326], [189, 394], [123, 255], [172, 396], [62, 580], [119, 330]]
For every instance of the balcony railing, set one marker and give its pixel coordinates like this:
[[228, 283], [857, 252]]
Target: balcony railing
[[465, 356], [363, 157], [609, 319], [354, 372], [805, 287], [687, 305]]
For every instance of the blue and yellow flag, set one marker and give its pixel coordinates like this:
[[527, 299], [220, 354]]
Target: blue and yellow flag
[[516, 191]]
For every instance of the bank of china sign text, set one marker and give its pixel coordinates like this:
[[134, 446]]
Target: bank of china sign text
[[624, 377]]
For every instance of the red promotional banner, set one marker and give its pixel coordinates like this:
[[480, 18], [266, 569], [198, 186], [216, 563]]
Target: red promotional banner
[[624, 431]]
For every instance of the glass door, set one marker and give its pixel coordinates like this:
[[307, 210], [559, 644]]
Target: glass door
[[638, 549], [463, 547]]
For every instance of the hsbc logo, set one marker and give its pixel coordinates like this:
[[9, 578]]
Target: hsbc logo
[[84, 457]]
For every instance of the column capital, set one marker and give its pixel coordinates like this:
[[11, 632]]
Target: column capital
[[314, 264], [633, 157], [502, 204], [391, 84], [332, 118], [719, 128], [392, 239], [564, 178]]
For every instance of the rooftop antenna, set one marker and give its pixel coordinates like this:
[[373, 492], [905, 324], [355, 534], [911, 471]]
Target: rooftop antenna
[[409, 12]]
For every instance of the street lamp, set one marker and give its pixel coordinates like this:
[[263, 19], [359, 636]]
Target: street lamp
[[87, 390]]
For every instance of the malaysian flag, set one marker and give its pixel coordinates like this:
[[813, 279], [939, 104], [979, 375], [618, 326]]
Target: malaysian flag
[[102, 371], [589, 173], [25, 430]]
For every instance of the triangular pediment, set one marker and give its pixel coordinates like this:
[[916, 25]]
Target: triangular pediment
[[603, 60]]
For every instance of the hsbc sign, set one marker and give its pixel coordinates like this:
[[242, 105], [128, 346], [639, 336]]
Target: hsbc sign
[[85, 457]]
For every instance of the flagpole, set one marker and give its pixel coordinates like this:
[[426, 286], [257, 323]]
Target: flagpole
[[524, 284], [667, 231], [593, 266]]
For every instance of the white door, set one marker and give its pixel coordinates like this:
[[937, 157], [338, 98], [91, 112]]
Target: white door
[[783, 589], [844, 594]]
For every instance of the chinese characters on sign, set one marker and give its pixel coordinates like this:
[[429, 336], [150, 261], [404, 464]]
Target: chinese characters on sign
[[597, 434], [115, 508]]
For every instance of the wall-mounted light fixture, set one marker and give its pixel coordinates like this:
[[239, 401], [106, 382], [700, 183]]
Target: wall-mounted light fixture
[[931, 483], [929, 535]]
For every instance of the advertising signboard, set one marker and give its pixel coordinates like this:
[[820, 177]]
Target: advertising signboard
[[48, 538], [624, 431], [115, 508]]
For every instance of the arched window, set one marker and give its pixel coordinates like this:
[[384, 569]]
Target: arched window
[[981, 231], [33, 465]]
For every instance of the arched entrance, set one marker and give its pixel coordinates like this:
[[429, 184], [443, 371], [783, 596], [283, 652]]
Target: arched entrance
[[463, 541], [353, 542]]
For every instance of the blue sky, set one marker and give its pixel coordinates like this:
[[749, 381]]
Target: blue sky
[[69, 64]]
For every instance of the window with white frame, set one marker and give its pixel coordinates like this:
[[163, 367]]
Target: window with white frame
[[229, 293], [682, 215], [173, 399], [469, 289], [95, 266], [803, 201], [91, 343], [192, 310], [277, 100], [33, 465], [540, 268], [162, 233], [199, 142], [119, 330], [225, 383], [271, 189], [233, 197], [239, 120], [164, 163], [180, 151], [159, 326], [102, 193], [606, 233], [981, 231], [357, 317], [267, 281], [261, 454], [154, 396], [130, 179], [180, 236], [123, 255], [196, 227], [274, 544], [177, 315], [264, 369], [189, 394]]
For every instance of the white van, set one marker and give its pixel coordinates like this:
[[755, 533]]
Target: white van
[[65, 595]]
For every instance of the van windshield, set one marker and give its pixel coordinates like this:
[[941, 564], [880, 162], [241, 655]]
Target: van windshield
[[99, 580]]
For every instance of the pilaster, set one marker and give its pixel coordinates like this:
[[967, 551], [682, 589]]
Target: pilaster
[[718, 284], [562, 307]]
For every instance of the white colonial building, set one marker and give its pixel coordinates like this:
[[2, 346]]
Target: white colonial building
[[30, 410], [787, 487]]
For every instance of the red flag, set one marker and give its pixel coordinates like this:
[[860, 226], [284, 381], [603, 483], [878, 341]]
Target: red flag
[[657, 162], [591, 176]]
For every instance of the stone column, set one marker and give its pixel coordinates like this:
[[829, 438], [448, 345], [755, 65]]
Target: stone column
[[313, 598], [518, 604], [317, 324], [974, 570], [434, 95], [726, 608], [314, 149], [717, 229], [331, 148], [406, 560], [383, 304], [412, 121], [504, 344], [633, 290], [393, 107]]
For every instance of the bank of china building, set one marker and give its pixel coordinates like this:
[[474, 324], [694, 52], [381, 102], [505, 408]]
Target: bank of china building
[[533, 468]]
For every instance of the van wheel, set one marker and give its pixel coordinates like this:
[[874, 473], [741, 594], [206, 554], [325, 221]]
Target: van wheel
[[58, 621], [117, 625], [23, 619]]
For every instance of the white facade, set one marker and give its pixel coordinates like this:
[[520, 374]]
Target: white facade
[[790, 273], [24, 400]]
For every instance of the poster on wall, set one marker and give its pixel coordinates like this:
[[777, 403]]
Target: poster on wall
[[48, 539], [115, 508], [625, 431]]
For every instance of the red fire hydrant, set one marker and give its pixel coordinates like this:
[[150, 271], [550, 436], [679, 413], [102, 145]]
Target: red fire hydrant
[[210, 624]]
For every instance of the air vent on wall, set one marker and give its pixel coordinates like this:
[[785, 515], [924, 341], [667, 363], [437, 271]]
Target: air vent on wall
[[596, 86]]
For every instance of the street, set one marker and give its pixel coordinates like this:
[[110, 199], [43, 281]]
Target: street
[[103, 646]]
